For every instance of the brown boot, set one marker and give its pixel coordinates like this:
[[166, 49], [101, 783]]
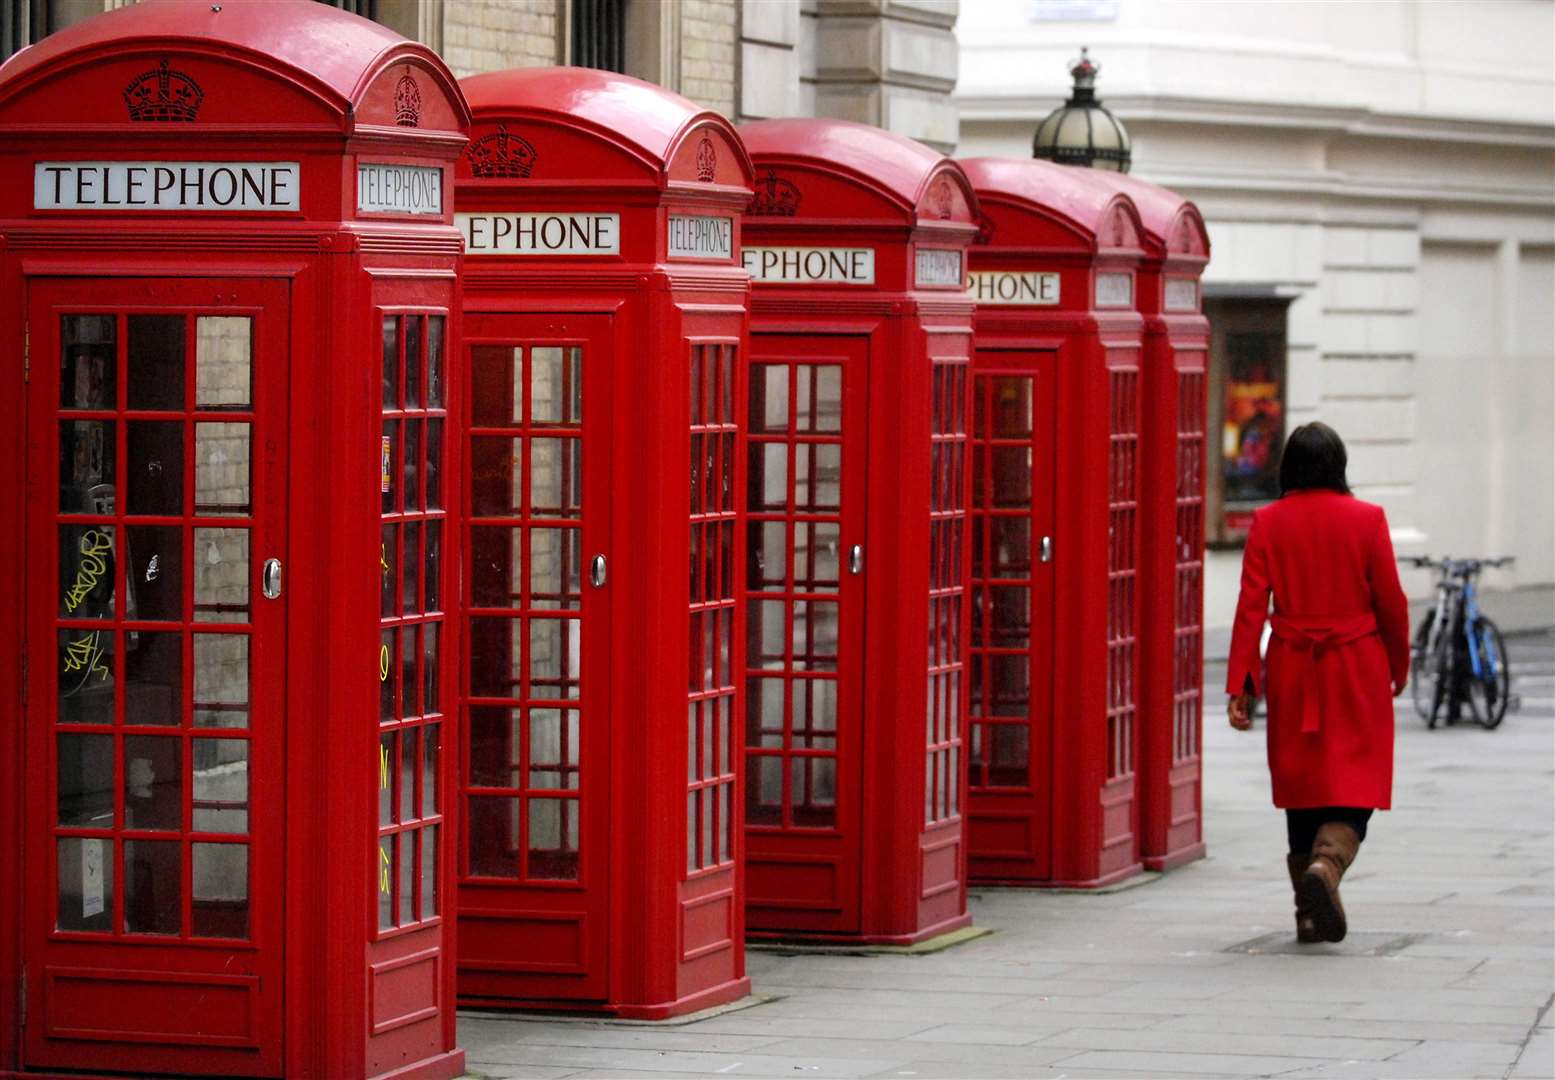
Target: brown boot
[[1332, 853], [1306, 929]]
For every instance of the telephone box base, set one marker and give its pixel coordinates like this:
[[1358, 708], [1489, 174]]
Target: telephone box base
[[443, 1067], [711, 998], [949, 926], [1173, 859]]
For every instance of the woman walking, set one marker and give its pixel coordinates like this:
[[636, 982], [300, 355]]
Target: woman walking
[[1338, 655]]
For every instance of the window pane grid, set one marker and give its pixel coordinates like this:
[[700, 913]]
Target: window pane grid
[[948, 520], [411, 602], [1122, 561]]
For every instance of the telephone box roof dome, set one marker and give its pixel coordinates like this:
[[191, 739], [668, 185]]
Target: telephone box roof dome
[[1171, 220], [1092, 208], [621, 108], [898, 167], [317, 45]]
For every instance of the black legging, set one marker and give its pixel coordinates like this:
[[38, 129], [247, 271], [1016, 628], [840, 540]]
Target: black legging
[[1301, 826]]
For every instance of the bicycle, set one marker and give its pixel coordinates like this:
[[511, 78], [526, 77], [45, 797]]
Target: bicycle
[[1457, 654]]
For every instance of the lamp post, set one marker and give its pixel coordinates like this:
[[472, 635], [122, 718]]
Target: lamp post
[[1083, 131]]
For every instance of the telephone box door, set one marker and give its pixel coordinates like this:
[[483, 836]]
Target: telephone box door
[[154, 717], [804, 688], [1012, 614], [534, 883]]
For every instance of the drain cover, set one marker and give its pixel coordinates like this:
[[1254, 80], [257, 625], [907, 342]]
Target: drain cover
[[1356, 943]]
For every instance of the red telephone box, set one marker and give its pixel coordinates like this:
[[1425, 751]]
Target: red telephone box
[[606, 320], [229, 288], [1171, 507], [1055, 550], [860, 348]]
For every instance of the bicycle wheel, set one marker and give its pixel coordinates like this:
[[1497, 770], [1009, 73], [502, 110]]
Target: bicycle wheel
[[1489, 690], [1422, 670]]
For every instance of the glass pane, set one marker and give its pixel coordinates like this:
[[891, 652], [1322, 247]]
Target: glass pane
[[432, 569], [410, 466], [553, 839], [1011, 476], [385, 877], [726, 385], [496, 476], [413, 363], [555, 562], [388, 575], [1011, 406], [1011, 538], [767, 553], [221, 680], [387, 449], [155, 351], [725, 822], [553, 658], [820, 398], [495, 738], [153, 887], [1009, 688], [553, 389], [86, 781], [156, 577], [153, 782], [545, 748], [429, 874], [434, 464], [86, 676], [155, 473], [154, 679], [220, 785], [1009, 617], [220, 575], [387, 641], [408, 740], [495, 373], [765, 634], [410, 686], [768, 481], [407, 876], [495, 657], [222, 454], [431, 703], [815, 713], [815, 792], [223, 364], [493, 836], [219, 905], [87, 454], [769, 397], [86, 571], [555, 477], [696, 387], [1010, 752], [87, 362], [431, 734], [85, 884], [385, 779], [410, 566], [764, 791], [391, 362], [435, 392]]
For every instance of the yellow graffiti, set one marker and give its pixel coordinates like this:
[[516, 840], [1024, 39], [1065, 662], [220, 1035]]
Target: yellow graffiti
[[383, 663], [383, 558], [94, 545], [383, 767], [86, 652], [383, 871]]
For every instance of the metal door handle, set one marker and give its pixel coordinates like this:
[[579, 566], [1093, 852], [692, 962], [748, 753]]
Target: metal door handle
[[597, 572], [270, 579], [1045, 551], [856, 559]]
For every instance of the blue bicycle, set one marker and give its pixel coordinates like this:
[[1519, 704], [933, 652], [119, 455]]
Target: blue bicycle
[[1458, 656]]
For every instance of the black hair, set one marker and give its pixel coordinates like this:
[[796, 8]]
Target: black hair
[[1314, 457]]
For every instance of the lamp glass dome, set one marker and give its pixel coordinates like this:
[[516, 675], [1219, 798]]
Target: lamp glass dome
[[1083, 131]]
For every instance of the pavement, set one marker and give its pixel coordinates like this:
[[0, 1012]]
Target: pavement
[[1448, 971]]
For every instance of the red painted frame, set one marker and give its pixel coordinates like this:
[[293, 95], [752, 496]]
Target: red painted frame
[[252, 87], [1077, 820], [663, 925], [1174, 456], [830, 184]]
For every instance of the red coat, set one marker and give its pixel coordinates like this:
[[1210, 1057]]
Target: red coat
[[1340, 647]]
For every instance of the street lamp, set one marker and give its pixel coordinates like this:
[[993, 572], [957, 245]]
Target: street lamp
[[1082, 131]]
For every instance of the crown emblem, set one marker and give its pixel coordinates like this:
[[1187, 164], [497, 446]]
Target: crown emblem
[[943, 204], [707, 160], [407, 101], [775, 197], [500, 154], [984, 229], [163, 94]]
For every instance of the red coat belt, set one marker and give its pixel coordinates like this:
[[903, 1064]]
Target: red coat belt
[[1312, 637]]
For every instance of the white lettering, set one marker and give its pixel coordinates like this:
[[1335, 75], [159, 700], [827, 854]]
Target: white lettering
[[937, 266], [165, 185], [398, 189], [540, 234], [1182, 294], [806, 265], [700, 237], [1114, 290], [1012, 287]]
